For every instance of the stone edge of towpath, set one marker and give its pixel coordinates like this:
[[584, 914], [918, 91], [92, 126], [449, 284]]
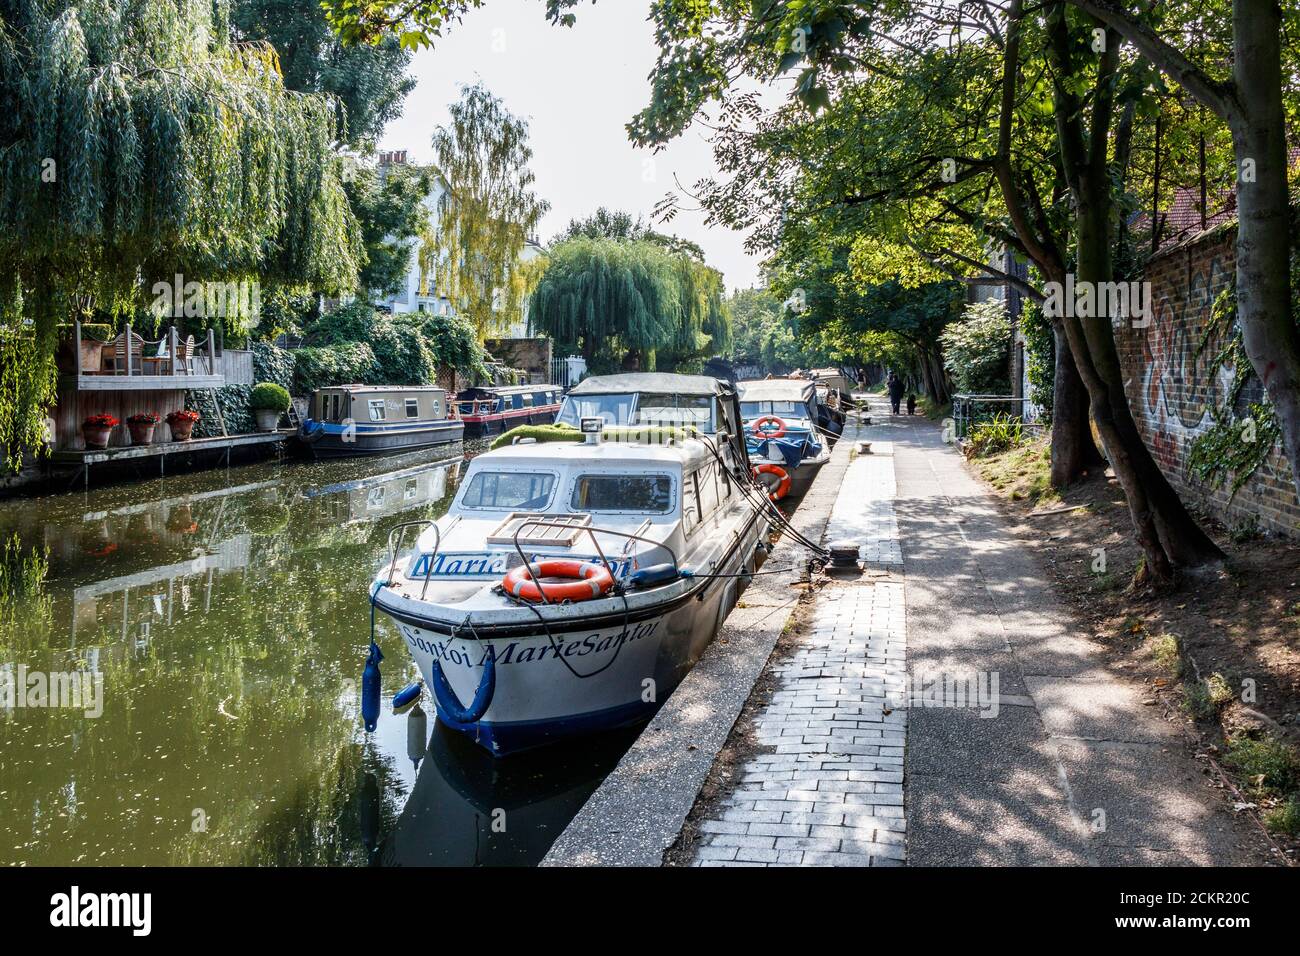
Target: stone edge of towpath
[[635, 815]]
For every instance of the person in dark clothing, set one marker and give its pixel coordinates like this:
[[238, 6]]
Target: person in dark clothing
[[911, 403], [895, 391]]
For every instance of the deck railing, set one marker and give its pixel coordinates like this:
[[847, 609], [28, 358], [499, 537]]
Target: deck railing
[[128, 355]]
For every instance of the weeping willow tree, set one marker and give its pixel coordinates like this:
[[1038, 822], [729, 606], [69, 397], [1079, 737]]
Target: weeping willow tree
[[630, 303], [486, 213], [138, 142]]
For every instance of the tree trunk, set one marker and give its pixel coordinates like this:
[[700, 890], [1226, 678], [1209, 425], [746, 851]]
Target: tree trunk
[[1169, 537], [1073, 450], [1269, 332]]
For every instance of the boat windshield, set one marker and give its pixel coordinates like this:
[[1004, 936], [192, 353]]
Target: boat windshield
[[751, 410], [612, 409], [649, 494], [639, 408], [509, 491]]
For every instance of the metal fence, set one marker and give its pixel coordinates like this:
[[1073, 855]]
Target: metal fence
[[970, 410]]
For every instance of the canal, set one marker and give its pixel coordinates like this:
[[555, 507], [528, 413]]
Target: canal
[[226, 614]]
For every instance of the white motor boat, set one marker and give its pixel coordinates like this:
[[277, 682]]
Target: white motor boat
[[573, 584], [786, 444]]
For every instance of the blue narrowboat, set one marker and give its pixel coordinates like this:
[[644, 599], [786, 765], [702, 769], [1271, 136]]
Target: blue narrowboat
[[352, 420]]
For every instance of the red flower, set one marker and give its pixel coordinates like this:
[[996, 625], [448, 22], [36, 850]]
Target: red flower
[[100, 421], [144, 418], [184, 415]]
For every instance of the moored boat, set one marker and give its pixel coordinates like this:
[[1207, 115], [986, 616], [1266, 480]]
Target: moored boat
[[785, 443], [352, 420], [573, 584], [493, 409]]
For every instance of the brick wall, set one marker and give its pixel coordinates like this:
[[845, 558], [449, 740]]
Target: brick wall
[[1173, 391]]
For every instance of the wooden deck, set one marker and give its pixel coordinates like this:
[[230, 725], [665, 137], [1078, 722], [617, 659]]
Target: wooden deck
[[82, 459]]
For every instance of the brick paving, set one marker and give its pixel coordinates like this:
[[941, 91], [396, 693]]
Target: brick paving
[[828, 788]]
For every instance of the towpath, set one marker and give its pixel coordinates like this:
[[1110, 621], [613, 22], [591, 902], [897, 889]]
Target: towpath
[[944, 708]]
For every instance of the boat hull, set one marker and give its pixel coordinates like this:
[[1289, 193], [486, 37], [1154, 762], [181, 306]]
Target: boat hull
[[583, 676], [482, 426], [336, 442]]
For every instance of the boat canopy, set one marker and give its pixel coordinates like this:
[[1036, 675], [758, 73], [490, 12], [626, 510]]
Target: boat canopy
[[777, 390], [666, 382]]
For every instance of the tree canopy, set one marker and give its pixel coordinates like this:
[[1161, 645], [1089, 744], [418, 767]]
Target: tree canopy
[[630, 302], [137, 141], [488, 211]]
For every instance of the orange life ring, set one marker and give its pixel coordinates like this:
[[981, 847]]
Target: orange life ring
[[591, 581], [758, 429], [782, 480]]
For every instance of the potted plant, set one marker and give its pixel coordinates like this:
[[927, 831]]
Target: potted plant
[[142, 425], [182, 423], [96, 429], [268, 402]]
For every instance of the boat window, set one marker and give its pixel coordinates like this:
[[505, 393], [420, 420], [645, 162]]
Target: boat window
[[708, 490], [324, 408], [664, 409], [376, 409], [650, 494], [336, 409], [509, 491], [613, 409], [753, 410], [412, 408], [528, 401]]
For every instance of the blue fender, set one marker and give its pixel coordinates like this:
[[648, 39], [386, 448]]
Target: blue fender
[[450, 704], [370, 681]]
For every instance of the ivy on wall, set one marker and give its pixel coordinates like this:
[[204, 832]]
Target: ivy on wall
[[1234, 446]]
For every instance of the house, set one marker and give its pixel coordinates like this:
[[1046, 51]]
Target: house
[[516, 347]]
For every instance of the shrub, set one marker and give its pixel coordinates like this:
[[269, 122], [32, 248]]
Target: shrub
[[325, 366], [1040, 359], [977, 349], [1268, 762], [267, 396], [999, 434]]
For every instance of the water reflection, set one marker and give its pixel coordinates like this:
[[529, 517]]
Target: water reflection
[[226, 613]]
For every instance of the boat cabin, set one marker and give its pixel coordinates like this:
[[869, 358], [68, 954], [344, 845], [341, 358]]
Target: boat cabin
[[379, 403], [651, 398], [793, 400], [494, 399]]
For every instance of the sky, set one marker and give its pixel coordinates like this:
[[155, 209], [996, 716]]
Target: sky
[[577, 87]]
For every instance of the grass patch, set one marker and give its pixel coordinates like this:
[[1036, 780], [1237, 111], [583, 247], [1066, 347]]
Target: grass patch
[[932, 411], [1285, 818], [1270, 769], [1022, 473], [1268, 764], [1167, 653]]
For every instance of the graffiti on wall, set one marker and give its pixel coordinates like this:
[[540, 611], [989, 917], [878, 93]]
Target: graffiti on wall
[[1180, 388]]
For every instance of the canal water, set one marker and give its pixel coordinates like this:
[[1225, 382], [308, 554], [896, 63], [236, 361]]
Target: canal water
[[225, 613]]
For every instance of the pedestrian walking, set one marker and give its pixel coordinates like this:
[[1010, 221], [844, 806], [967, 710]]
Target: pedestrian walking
[[895, 391], [911, 403]]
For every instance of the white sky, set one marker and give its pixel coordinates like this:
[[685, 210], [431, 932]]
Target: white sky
[[577, 87]]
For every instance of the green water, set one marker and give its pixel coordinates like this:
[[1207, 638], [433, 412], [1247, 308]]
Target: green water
[[226, 613]]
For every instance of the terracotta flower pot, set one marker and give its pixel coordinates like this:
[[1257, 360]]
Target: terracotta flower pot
[[141, 434], [96, 436], [181, 429]]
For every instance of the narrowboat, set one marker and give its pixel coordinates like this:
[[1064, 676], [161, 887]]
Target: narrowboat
[[785, 433], [573, 584], [352, 420], [492, 409]]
